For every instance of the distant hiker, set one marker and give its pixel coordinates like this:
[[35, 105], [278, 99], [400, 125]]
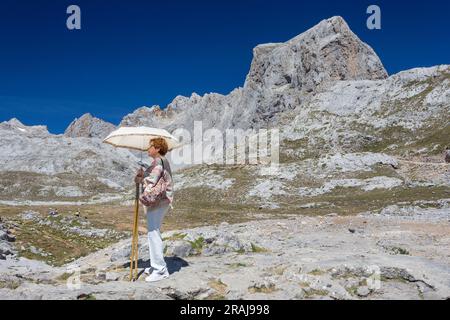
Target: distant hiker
[[447, 154], [159, 168]]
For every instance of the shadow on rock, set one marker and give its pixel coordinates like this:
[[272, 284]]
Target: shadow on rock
[[174, 264]]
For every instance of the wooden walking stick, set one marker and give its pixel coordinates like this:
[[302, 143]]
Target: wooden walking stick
[[135, 239]]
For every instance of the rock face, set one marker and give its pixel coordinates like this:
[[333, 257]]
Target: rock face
[[328, 52], [88, 126], [141, 116], [324, 54]]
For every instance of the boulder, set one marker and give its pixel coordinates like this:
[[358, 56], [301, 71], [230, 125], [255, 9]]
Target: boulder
[[363, 291], [179, 249], [112, 276], [5, 249]]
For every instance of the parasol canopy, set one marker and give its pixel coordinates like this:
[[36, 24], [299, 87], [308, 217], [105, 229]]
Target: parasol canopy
[[138, 138]]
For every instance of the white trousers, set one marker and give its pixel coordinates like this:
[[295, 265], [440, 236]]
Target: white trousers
[[155, 244]]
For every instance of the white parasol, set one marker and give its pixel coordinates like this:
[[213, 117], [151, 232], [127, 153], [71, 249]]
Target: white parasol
[[138, 138]]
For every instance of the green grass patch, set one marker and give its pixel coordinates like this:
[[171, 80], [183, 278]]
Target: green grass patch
[[62, 246], [9, 284], [65, 276], [198, 244], [176, 236], [315, 292], [399, 250], [216, 296], [316, 272], [263, 289], [352, 290], [89, 296], [257, 249]]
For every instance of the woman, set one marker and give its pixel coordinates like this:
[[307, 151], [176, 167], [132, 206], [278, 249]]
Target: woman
[[159, 168]]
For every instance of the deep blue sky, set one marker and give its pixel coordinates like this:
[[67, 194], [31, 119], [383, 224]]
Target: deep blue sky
[[134, 53]]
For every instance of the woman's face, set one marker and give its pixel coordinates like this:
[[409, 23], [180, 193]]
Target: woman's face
[[152, 151]]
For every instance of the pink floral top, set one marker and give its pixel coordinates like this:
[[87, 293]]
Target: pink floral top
[[156, 172]]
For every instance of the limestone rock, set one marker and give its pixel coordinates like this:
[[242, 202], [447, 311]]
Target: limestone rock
[[363, 291], [179, 249], [88, 126], [447, 155], [5, 249], [112, 276]]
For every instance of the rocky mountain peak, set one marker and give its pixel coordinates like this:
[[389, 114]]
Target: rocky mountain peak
[[16, 126], [88, 126], [327, 52], [14, 122], [140, 116]]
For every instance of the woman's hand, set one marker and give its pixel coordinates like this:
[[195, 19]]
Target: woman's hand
[[139, 176]]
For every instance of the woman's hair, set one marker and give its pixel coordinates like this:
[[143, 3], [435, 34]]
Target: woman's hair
[[161, 144]]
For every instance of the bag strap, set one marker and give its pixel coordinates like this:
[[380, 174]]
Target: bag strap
[[162, 173]]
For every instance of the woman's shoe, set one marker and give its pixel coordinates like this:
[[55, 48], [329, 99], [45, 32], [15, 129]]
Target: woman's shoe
[[148, 270], [155, 276]]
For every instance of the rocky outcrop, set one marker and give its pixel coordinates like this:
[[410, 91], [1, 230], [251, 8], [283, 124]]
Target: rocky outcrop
[[308, 63], [145, 116], [327, 52], [214, 110], [7, 238], [88, 126]]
